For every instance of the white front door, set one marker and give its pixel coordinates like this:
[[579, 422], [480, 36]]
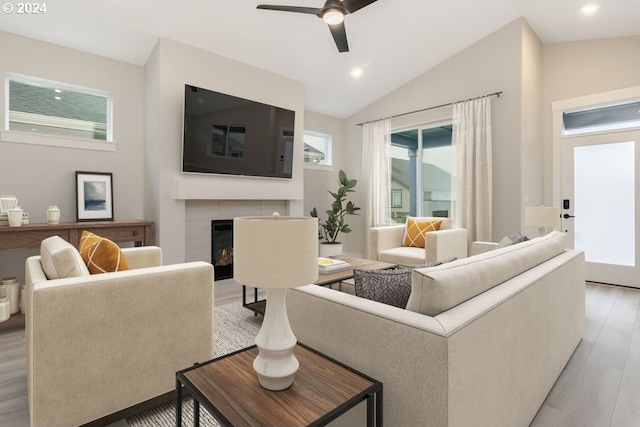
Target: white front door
[[600, 203]]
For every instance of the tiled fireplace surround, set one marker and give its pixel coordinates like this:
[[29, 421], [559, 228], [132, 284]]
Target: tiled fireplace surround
[[198, 216]]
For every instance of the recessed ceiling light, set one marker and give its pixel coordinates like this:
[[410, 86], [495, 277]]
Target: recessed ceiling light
[[57, 91], [58, 98], [356, 72], [590, 9]]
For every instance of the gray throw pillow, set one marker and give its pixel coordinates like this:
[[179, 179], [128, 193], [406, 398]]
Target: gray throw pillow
[[391, 287], [518, 237]]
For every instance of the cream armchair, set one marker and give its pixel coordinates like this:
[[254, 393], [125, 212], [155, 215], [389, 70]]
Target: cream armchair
[[103, 343], [385, 244]]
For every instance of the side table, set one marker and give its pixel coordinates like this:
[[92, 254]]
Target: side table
[[323, 389]]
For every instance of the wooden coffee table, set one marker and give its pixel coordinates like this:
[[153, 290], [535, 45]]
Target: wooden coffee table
[[322, 390], [258, 306]]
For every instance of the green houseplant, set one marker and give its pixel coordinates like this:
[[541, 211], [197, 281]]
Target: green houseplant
[[329, 229]]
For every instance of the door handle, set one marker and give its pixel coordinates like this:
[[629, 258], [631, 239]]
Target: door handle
[[565, 216]]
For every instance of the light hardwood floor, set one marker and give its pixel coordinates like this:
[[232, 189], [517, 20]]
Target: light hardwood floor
[[599, 387]]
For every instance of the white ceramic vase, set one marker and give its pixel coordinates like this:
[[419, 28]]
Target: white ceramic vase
[[15, 216], [10, 288], [4, 309], [7, 202], [327, 250], [53, 215]]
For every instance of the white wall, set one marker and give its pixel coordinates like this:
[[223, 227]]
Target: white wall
[[531, 130], [318, 182], [170, 67], [41, 176], [583, 68], [492, 64]]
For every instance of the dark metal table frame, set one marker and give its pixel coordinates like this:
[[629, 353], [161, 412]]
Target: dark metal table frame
[[372, 395]]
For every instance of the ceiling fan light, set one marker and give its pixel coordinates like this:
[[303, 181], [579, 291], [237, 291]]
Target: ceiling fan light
[[333, 16]]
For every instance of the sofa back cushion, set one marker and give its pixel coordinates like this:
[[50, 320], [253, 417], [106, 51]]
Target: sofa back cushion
[[60, 259], [435, 290]]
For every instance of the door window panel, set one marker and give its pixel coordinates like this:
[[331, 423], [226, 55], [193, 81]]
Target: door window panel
[[605, 202]]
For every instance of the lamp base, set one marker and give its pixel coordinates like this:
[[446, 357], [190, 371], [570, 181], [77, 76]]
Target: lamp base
[[542, 231], [276, 365]]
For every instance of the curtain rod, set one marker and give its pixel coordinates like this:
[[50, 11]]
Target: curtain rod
[[433, 108]]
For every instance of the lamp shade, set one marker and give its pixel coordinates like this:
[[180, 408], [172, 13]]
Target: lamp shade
[[542, 216], [275, 251]]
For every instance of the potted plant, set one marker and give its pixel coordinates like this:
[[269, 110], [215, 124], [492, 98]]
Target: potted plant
[[329, 229]]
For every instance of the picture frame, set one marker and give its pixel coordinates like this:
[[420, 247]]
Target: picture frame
[[396, 198], [94, 196]]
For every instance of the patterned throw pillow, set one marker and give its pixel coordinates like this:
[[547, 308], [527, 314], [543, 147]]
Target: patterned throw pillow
[[391, 287], [415, 229], [101, 255]]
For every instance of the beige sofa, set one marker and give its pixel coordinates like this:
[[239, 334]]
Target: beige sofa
[[385, 244], [481, 343], [102, 343]]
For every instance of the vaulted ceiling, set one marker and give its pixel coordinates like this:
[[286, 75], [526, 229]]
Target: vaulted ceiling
[[390, 41]]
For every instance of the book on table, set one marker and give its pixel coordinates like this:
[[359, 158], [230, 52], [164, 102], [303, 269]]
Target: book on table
[[330, 265]]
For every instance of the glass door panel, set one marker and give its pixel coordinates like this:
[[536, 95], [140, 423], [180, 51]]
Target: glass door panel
[[605, 238], [600, 204]]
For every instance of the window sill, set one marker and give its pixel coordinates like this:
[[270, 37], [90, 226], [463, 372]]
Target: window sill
[[56, 141], [311, 166]]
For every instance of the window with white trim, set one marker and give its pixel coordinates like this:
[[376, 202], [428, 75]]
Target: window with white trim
[[317, 149], [46, 107], [620, 115]]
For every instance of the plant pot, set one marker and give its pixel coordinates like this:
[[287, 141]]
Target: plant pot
[[330, 249]]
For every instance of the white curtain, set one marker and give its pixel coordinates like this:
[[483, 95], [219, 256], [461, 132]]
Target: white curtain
[[376, 174], [471, 142]]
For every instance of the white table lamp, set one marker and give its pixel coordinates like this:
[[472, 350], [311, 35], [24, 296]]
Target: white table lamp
[[542, 217], [275, 253]]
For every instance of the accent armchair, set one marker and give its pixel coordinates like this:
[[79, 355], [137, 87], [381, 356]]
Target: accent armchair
[[98, 344], [385, 244]]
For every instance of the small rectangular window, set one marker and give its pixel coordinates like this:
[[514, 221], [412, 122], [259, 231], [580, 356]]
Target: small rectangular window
[[603, 118], [317, 148], [47, 107]]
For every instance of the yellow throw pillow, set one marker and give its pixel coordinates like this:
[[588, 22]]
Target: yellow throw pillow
[[101, 255], [415, 230]]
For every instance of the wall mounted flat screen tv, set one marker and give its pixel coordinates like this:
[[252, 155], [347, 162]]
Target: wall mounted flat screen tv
[[225, 134]]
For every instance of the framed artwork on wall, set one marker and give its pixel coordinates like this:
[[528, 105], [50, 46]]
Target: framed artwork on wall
[[94, 196]]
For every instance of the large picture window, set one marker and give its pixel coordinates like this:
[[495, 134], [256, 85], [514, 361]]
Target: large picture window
[[46, 107], [421, 165]]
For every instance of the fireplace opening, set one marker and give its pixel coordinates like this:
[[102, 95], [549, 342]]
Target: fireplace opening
[[222, 248]]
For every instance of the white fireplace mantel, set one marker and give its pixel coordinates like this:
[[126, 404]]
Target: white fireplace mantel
[[236, 188]]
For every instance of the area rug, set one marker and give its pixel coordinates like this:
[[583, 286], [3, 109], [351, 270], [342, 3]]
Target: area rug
[[234, 328]]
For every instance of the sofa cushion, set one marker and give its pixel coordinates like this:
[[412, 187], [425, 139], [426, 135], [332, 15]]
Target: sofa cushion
[[60, 259], [435, 290], [403, 255], [101, 255], [390, 287], [415, 229]]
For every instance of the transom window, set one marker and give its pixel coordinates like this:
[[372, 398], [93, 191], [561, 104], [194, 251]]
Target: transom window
[[47, 107], [317, 148], [603, 118]]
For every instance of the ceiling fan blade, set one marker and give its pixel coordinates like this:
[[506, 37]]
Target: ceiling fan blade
[[339, 36], [354, 5], [310, 10]]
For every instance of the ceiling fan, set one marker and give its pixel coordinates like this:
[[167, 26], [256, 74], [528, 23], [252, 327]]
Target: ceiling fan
[[332, 13]]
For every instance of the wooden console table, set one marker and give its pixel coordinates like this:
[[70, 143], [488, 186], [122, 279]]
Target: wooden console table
[[29, 236]]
